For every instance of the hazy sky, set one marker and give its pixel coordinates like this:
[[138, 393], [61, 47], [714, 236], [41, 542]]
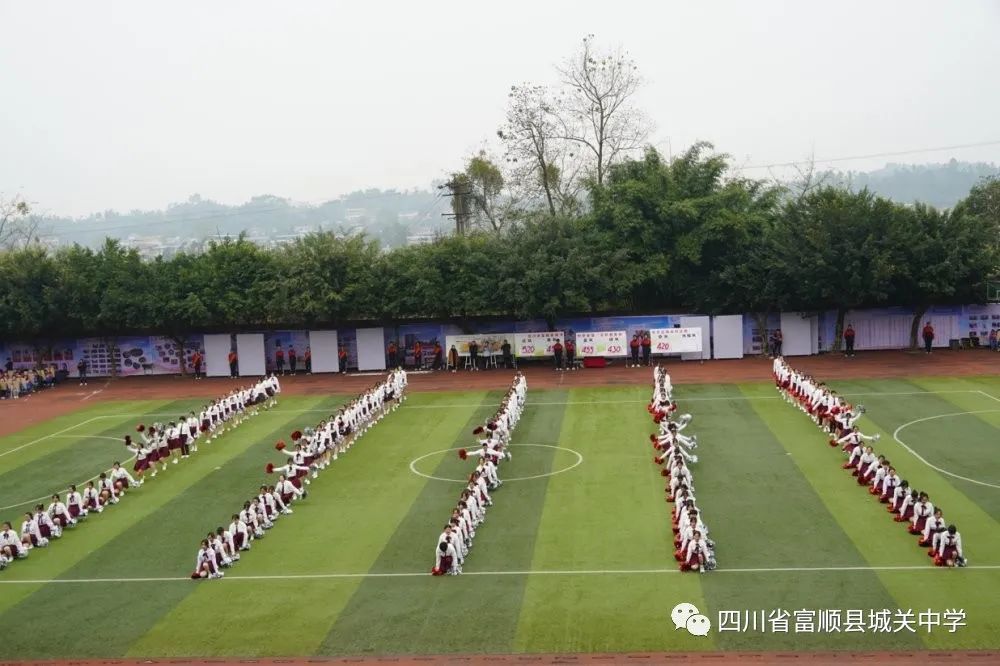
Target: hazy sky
[[138, 104]]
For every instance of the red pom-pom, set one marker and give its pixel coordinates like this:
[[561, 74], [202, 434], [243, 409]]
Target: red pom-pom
[[204, 428], [656, 460], [297, 435], [463, 454], [479, 430], [652, 437], [664, 472], [491, 426], [128, 440], [269, 468], [140, 428], [280, 446]]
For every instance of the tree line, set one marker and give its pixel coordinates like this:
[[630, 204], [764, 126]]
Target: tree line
[[657, 236]]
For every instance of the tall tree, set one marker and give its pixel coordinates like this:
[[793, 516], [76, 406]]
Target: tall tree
[[18, 227], [480, 193], [595, 109], [531, 144]]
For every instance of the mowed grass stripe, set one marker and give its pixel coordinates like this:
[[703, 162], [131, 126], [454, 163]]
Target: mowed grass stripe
[[159, 536], [817, 515], [67, 459], [608, 513], [422, 615], [352, 510]]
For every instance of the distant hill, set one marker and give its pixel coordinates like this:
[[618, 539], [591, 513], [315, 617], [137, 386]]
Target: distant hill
[[389, 216], [940, 185]]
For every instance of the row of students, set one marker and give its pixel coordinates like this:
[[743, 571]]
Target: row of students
[[312, 451], [693, 550], [872, 471], [41, 526], [165, 443], [158, 443], [492, 448]]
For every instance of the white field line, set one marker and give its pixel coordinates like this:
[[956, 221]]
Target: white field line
[[551, 572], [991, 397], [895, 436]]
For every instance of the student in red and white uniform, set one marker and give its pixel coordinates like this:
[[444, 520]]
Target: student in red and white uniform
[[287, 491], [48, 527], [74, 504], [12, 546], [921, 512], [697, 554], [933, 528], [240, 532], [889, 484], [60, 514], [950, 549], [445, 560], [228, 544], [122, 479], [204, 566], [106, 487], [31, 532], [219, 548], [92, 498], [141, 457], [853, 439], [899, 495], [905, 513]]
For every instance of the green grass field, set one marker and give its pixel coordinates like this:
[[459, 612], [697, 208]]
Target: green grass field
[[575, 559]]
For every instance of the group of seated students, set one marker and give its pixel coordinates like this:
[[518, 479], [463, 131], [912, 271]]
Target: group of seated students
[[833, 414], [493, 447], [694, 551], [313, 451], [160, 443], [165, 443], [42, 525], [17, 383]]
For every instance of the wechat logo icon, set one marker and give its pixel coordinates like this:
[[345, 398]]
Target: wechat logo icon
[[687, 616]]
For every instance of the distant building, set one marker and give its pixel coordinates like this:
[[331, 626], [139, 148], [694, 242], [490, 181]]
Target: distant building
[[420, 239]]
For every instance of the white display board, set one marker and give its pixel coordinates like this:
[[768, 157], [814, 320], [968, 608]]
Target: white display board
[[217, 348], [703, 324], [488, 343], [250, 349], [323, 345], [537, 345], [675, 340], [371, 352], [797, 333], [602, 343], [727, 336]]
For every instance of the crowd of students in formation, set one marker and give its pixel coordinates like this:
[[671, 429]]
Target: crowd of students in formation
[[312, 451], [157, 444], [15, 384], [833, 414], [693, 550], [493, 447], [161, 444]]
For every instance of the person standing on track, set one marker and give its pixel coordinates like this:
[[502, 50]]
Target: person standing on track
[[279, 359], [633, 346], [928, 334], [849, 340], [81, 369], [196, 359], [234, 361], [570, 355], [557, 353], [293, 359], [647, 348], [342, 358], [308, 359]]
